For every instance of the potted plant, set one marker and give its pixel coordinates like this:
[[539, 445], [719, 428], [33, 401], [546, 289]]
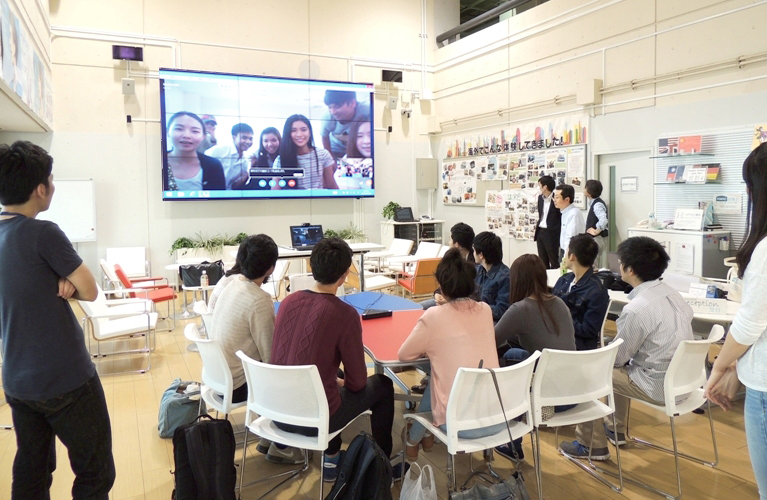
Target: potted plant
[[350, 234], [215, 248], [390, 209]]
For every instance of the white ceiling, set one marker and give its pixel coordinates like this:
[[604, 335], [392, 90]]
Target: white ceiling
[[15, 116]]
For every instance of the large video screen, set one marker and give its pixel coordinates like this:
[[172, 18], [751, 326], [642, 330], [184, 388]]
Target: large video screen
[[228, 136]]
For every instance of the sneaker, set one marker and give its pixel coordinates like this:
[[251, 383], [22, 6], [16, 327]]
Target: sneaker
[[577, 450], [286, 456], [330, 468], [263, 446], [620, 440], [418, 389], [506, 451]]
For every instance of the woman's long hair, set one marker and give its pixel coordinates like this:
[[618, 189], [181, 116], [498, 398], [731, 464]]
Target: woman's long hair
[[288, 155], [755, 175], [263, 154], [528, 279], [351, 146]]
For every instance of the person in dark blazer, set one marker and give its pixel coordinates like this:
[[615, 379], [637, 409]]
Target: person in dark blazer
[[549, 224]]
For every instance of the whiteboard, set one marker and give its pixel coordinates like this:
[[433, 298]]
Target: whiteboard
[[74, 209]]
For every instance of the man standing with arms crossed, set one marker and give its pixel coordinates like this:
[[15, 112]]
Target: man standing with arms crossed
[[49, 380]]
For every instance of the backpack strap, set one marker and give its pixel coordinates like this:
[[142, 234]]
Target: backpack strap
[[199, 461]]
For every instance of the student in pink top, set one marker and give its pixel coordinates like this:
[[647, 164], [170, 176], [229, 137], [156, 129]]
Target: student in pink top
[[458, 334]]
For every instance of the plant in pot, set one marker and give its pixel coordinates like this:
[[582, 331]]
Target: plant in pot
[[390, 209]]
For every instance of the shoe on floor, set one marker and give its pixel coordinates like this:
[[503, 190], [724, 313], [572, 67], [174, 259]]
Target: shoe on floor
[[263, 446], [330, 468], [577, 450], [620, 440], [427, 442], [287, 456], [411, 449], [506, 451]]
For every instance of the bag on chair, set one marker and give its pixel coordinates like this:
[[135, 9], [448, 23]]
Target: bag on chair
[[363, 473], [190, 273], [512, 488], [203, 452], [178, 407]]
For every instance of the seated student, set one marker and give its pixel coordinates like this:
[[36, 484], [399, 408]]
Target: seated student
[[583, 292], [244, 319], [652, 325], [492, 273], [536, 319], [457, 334], [224, 282], [314, 327], [462, 238]]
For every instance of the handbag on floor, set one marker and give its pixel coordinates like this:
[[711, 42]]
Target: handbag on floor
[[416, 488], [512, 488], [179, 406]]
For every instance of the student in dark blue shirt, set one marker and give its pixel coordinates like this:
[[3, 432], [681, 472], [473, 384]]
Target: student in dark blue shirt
[[49, 380], [583, 292], [492, 273]]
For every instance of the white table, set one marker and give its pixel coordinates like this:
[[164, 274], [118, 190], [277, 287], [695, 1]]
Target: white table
[[357, 249]]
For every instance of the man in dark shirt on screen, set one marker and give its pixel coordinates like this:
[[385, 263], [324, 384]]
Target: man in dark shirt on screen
[[49, 379], [314, 327]]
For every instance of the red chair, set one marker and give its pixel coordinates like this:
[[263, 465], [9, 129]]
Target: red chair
[[423, 281], [156, 293]]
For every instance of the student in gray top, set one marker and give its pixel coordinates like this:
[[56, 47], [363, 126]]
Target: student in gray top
[[49, 379], [536, 319]]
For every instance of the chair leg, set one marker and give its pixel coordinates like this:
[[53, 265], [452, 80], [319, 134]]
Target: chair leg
[[242, 463], [537, 458], [322, 480], [676, 459]]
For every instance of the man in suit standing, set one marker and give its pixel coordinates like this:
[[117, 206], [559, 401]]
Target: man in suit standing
[[549, 224]]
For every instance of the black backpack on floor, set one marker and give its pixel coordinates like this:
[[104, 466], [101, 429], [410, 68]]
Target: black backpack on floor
[[204, 455], [364, 472]]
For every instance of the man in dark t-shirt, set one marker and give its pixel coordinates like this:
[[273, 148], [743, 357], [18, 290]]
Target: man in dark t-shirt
[[314, 327], [49, 379]]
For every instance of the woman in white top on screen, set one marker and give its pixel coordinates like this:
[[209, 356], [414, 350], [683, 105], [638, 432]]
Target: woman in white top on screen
[[297, 150], [186, 169], [746, 342]]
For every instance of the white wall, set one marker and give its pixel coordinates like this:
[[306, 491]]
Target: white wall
[[294, 38], [546, 52]]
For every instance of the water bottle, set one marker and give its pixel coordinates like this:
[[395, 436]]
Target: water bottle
[[204, 281], [651, 224]]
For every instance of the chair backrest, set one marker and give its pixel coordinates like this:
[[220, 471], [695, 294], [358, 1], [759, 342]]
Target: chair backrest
[[133, 260], [687, 370], [443, 251], [353, 279], [124, 280], [400, 247], [604, 321], [572, 377], [215, 370], [427, 250], [424, 276], [274, 285], [473, 400], [303, 281], [288, 394], [109, 272], [96, 308]]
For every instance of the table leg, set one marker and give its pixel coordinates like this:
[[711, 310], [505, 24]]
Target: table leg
[[362, 271]]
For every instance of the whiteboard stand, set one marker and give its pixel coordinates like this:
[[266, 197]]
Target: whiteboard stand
[[73, 209]]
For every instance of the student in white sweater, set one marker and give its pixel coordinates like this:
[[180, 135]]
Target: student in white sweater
[[746, 343]]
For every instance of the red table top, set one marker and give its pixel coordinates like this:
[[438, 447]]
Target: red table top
[[383, 337]]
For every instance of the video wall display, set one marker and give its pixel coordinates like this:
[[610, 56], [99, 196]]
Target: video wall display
[[229, 136]]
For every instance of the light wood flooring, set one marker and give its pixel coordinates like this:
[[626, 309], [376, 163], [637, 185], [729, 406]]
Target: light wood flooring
[[144, 461]]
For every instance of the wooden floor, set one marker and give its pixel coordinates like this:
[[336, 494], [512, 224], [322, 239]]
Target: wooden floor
[[144, 461]]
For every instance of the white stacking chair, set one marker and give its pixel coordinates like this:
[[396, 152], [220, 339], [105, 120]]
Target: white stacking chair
[[274, 286], [574, 377], [685, 377], [425, 250], [398, 247], [604, 322], [291, 395], [473, 403], [443, 251], [217, 385], [373, 281], [201, 308], [106, 323]]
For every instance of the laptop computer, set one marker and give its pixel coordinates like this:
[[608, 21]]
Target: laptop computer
[[305, 237], [404, 214], [613, 264]]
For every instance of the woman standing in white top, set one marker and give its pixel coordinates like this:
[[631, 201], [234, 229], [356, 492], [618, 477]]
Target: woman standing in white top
[[746, 343], [297, 150]]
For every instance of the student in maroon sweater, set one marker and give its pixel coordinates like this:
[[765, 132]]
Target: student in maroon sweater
[[314, 327]]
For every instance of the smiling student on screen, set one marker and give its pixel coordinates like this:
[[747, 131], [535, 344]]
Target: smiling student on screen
[[297, 150]]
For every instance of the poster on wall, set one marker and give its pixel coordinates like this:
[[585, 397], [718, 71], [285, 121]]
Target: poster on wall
[[512, 213], [760, 135], [459, 182], [576, 166]]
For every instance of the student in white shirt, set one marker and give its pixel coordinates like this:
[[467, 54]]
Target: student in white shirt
[[235, 157], [572, 218], [746, 343]]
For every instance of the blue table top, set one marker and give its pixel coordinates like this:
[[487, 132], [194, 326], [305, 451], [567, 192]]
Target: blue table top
[[374, 300]]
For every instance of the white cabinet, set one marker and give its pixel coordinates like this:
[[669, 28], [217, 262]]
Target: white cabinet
[[695, 253], [418, 231]]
